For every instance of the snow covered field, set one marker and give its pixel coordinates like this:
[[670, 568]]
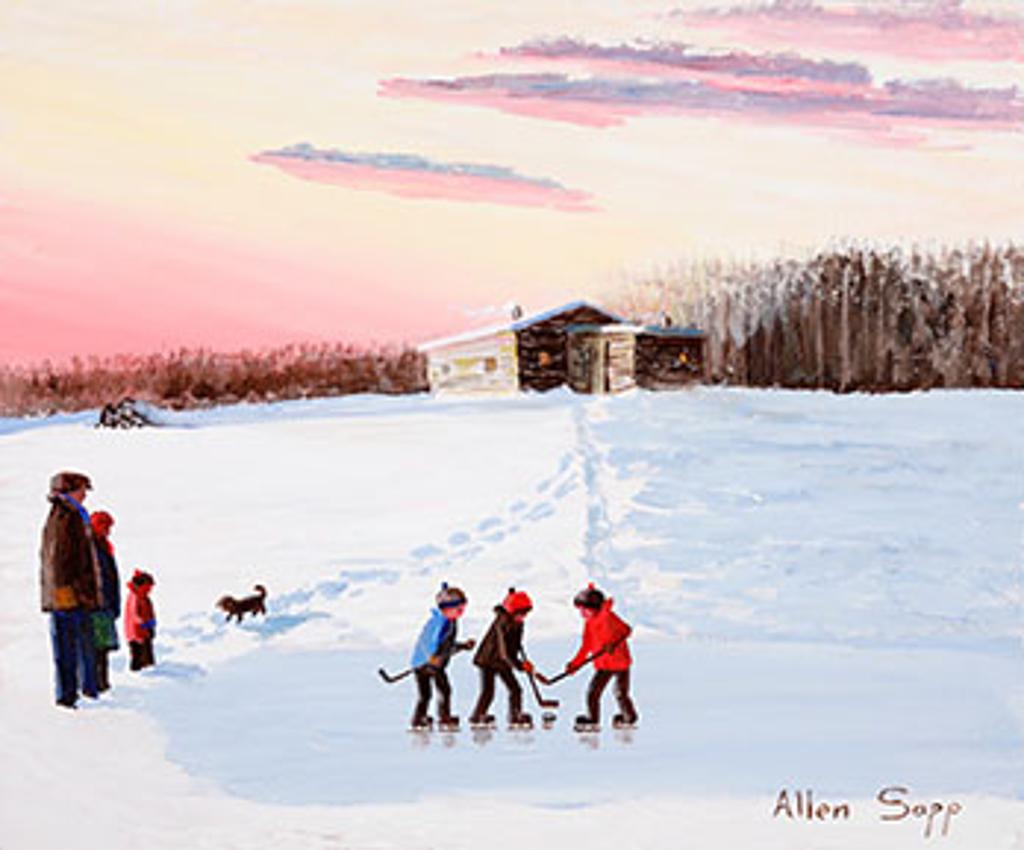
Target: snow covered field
[[826, 593]]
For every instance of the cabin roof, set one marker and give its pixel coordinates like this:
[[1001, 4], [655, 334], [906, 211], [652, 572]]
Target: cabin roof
[[517, 325], [637, 330]]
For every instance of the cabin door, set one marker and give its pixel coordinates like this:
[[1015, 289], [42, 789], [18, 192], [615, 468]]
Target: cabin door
[[599, 366]]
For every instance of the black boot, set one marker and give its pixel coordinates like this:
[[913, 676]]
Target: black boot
[[422, 722], [586, 723], [448, 723], [102, 671], [522, 720], [482, 720], [625, 721]]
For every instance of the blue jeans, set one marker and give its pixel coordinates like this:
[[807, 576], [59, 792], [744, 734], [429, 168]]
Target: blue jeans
[[73, 654]]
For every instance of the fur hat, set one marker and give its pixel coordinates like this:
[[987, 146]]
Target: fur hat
[[450, 597], [589, 597], [517, 602], [68, 482]]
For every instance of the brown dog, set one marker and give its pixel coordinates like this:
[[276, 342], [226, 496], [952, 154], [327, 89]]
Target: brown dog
[[247, 605]]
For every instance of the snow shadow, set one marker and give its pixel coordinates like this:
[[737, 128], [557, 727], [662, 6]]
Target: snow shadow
[[734, 719], [808, 517]]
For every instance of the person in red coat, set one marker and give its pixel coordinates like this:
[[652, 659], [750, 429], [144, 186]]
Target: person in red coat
[[607, 634], [140, 620]]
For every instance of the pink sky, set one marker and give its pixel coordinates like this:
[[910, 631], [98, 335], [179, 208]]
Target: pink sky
[[137, 211], [80, 280]]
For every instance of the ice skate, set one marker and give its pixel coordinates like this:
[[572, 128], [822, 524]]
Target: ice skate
[[421, 724], [622, 721], [448, 724], [586, 723], [520, 721], [483, 721]]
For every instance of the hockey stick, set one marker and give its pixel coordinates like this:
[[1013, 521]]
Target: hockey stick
[[397, 677], [541, 701], [602, 651]]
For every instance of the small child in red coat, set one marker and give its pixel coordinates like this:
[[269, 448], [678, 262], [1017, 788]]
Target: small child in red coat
[[604, 633], [140, 620]]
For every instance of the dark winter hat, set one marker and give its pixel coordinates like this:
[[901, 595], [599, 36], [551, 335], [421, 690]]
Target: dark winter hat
[[589, 597], [68, 482], [450, 597], [141, 579], [517, 602]]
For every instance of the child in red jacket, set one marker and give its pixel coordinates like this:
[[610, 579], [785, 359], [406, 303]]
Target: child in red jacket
[[140, 620], [604, 633]]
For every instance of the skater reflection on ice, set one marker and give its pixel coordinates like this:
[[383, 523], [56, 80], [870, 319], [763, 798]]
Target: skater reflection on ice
[[624, 736], [522, 737], [483, 736]]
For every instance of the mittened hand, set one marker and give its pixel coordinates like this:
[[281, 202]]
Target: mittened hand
[[528, 667], [434, 661], [469, 644]]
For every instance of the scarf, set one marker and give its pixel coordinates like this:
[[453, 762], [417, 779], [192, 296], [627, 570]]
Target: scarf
[[78, 506]]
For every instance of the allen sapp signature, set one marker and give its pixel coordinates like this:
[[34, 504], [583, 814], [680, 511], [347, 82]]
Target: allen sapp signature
[[895, 804]]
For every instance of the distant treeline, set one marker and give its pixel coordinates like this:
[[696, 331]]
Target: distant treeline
[[847, 319], [196, 378], [853, 318]]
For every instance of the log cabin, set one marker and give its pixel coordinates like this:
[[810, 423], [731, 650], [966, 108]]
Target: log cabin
[[523, 353], [615, 358], [577, 344]]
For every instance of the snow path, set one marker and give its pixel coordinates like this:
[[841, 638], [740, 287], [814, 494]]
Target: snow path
[[827, 593]]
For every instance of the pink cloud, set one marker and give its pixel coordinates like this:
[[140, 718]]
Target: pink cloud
[[732, 70], [410, 176], [77, 279], [938, 31], [899, 111]]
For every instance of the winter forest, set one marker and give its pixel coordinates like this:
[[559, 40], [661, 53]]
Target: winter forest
[[854, 319]]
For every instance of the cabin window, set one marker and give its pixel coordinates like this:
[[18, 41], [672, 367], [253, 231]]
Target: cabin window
[[544, 358], [491, 364], [683, 358]]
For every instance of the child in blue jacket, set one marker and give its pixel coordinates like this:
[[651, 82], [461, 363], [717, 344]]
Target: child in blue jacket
[[435, 647]]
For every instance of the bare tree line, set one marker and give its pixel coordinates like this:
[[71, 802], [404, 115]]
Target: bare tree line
[[198, 377], [846, 319], [853, 318]]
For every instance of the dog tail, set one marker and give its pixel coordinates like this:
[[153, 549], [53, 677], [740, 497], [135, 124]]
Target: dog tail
[[224, 602], [261, 590]]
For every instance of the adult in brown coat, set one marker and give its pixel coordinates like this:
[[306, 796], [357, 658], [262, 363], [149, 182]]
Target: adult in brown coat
[[70, 586]]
